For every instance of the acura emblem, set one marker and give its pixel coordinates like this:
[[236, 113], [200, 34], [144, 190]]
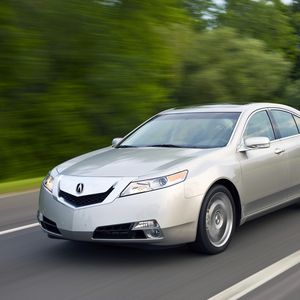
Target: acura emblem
[[79, 188]]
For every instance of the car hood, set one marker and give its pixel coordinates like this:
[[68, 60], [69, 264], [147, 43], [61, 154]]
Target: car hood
[[129, 162]]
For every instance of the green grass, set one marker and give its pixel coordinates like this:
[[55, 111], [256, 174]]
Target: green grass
[[20, 185]]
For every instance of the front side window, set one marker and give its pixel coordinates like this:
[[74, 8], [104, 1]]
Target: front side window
[[259, 125], [185, 130], [285, 123]]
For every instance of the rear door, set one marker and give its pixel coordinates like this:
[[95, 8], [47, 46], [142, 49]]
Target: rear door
[[288, 127]]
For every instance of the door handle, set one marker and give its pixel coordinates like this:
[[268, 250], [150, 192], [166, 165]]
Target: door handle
[[279, 151]]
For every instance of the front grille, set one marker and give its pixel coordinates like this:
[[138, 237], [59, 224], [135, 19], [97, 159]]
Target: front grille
[[49, 225], [120, 231], [84, 200]]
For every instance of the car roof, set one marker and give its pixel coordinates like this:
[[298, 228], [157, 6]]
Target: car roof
[[227, 108]]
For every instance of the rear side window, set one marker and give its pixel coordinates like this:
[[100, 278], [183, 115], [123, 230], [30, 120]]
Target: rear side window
[[297, 119], [259, 125], [285, 123]]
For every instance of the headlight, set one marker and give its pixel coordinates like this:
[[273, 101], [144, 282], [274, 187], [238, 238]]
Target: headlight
[[48, 183], [153, 184]]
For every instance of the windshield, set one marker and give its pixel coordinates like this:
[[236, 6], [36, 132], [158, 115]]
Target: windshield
[[185, 130]]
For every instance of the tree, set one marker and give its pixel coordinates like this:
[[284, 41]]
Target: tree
[[266, 20], [296, 5], [222, 66], [203, 13], [80, 73], [293, 94], [295, 16]]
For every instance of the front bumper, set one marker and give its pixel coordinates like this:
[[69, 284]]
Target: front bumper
[[176, 215]]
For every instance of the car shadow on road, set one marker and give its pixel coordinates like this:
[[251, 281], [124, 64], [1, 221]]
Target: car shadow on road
[[118, 254], [269, 232]]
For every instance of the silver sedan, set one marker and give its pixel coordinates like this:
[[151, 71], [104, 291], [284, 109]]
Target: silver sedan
[[186, 176]]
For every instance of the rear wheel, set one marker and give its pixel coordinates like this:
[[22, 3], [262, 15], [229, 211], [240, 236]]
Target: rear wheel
[[216, 222]]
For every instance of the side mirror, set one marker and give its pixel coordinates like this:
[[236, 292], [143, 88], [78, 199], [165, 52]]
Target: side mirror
[[116, 141], [255, 143]]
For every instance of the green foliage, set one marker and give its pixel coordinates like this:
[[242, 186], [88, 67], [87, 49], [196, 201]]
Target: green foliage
[[225, 67], [295, 19], [203, 13], [75, 74], [79, 73], [266, 20], [20, 185], [293, 94], [296, 5]]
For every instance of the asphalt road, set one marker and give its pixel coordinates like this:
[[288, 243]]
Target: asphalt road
[[285, 286], [18, 210], [35, 267]]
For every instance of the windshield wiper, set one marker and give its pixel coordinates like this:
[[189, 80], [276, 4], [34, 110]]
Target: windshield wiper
[[126, 146], [156, 145], [165, 146]]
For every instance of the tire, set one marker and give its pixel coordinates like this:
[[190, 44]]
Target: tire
[[216, 223]]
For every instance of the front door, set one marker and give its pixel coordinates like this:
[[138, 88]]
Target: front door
[[264, 171]]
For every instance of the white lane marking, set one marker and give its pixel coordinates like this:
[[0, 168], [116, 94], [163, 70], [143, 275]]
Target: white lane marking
[[18, 194], [251, 283], [19, 228]]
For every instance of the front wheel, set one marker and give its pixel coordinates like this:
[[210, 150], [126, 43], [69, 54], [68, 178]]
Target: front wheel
[[216, 222]]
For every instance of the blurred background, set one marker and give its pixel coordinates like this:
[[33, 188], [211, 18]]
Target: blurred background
[[76, 73]]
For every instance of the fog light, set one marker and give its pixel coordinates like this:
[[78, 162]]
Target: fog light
[[153, 233], [151, 228]]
